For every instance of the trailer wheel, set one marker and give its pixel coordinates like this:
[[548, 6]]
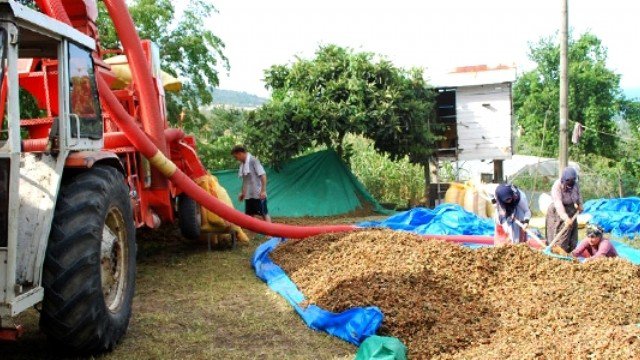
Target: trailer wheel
[[90, 264], [189, 217]]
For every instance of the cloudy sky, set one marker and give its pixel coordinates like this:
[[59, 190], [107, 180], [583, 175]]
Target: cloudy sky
[[435, 35]]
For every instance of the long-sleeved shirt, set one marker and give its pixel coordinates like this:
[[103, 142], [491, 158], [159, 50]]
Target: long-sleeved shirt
[[522, 211], [603, 249], [562, 198]]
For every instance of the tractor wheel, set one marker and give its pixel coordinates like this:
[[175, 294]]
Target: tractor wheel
[[90, 265], [189, 217]]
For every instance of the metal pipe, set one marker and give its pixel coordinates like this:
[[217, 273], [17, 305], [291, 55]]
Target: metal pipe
[[112, 140]]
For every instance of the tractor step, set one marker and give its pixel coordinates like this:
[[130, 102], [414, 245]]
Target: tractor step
[[11, 334]]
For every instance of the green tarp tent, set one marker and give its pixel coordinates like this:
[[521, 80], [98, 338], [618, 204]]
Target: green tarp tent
[[319, 184]]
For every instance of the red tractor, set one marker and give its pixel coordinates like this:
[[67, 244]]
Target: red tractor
[[74, 189], [98, 161]]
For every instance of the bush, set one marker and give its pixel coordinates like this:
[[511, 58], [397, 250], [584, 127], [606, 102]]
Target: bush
[[400, 183], [215, 154], [222, 129]]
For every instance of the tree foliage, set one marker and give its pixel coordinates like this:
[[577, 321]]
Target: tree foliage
[[594, 98], [224, 128], [317, 102], [187, 49]]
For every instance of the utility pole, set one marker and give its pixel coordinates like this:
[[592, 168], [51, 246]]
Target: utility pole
[[564, 86]]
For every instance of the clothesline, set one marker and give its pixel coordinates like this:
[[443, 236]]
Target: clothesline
[[601, 132]]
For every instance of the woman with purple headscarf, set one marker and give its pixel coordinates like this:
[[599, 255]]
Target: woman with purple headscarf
[[567, 201]]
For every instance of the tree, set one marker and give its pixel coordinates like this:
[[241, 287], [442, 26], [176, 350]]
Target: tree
[[594, 98], [317, 102], [224, 128], [187, 50], [629, 135]]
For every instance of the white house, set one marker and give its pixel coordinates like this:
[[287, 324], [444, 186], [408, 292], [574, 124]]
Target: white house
[[475, 107]]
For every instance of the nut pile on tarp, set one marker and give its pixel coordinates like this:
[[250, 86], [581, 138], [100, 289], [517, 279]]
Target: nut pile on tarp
[[447, 301]]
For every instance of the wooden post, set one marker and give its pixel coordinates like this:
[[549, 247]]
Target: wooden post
[[434, 179], [498, 171], [620, 189], [563, 157], [427, 183]]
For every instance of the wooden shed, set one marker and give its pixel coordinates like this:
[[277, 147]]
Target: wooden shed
[[475, 109]]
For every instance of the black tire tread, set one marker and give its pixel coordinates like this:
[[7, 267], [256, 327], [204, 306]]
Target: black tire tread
[[74, 313], [188, 219]]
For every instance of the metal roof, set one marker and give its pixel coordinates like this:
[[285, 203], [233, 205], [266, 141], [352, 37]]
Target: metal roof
[[474, 76]]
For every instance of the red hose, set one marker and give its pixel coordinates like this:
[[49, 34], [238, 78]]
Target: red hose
[[463, 239], [139, 139], [116, 140], [152, 120], [154, 126]]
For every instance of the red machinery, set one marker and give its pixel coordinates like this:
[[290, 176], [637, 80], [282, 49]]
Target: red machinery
[[139, 111], [95, 164]]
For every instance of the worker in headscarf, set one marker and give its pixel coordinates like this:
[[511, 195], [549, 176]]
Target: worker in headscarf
[[512, 206], [567, 202], [595, 246]]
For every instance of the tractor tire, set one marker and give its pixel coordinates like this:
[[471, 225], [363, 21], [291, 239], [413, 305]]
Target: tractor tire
[[189, 217], [90, 264]]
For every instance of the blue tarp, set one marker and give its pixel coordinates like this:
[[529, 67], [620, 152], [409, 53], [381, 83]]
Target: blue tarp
[[353, 325], [451, 219], [627, 252], [620, 217], [446, 219]]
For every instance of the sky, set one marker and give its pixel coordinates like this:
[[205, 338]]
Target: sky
[[434, 35]]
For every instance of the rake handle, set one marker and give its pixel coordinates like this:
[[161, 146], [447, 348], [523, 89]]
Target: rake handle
[[531, 234]]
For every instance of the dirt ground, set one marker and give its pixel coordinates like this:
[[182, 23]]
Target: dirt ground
[[195, 304]]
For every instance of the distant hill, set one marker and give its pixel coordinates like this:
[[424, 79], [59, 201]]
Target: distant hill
[[633, 93], [239, 99]]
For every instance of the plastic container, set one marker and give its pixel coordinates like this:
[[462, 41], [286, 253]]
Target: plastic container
[[455, 194]]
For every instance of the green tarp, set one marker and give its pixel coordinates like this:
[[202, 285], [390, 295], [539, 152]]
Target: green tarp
[[381, 348], [319, 184]]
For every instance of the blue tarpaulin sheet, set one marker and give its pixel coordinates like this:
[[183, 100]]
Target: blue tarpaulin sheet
[[627, 252], [446, 219], [620, 217], [451, 219], [353, 325]]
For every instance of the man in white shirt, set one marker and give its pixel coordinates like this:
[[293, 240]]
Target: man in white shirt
[[254, 183]]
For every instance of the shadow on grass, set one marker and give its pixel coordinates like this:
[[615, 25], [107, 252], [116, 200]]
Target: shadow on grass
[[194, 304]]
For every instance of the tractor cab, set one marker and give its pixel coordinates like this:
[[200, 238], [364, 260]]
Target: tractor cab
[[49, 109], [53, 66]]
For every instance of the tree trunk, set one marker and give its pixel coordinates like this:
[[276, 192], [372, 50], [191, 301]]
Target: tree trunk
[[620, 189], [340, 147], [430, 177], [427, 183]]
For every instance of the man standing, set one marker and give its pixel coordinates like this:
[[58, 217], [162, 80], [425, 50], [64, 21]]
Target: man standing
[[254, 183]]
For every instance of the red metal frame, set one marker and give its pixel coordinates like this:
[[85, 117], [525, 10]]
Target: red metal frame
[[151, 194], [140, 114], [11, 334]]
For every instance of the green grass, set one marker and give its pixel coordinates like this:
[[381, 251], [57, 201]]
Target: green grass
[[195, 304]]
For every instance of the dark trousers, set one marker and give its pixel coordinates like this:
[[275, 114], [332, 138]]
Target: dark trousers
[[554, 224]]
